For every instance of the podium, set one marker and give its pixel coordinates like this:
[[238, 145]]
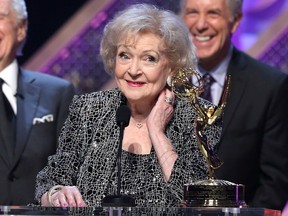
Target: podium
[[135, 211]]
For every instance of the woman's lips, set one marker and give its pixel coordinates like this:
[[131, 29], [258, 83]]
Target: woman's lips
[[135, 84]]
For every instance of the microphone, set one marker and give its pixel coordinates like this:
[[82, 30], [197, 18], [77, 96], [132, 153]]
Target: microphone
[[123, 114]]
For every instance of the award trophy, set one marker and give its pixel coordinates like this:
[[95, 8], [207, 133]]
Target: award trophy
[[211, 192]]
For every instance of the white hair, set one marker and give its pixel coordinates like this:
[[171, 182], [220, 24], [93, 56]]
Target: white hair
[[20, 9]]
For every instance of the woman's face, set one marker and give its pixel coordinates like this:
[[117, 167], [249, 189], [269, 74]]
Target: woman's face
[[141, 68]]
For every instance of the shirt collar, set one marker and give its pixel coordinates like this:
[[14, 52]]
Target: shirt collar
[[10, 75], [219, 72]]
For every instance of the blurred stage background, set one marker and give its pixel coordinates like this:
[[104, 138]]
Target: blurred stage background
[[64, 36]]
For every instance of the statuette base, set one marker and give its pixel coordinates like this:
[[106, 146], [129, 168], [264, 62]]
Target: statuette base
[[214, 193]]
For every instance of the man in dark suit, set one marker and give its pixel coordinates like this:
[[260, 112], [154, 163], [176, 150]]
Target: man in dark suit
[[33, 108], [254, 142]]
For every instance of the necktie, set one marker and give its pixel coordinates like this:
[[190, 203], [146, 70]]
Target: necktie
[[7, 124], [208, 80]]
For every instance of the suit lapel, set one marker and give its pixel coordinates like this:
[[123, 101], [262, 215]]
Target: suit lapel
[[239, 79], [27, 103]]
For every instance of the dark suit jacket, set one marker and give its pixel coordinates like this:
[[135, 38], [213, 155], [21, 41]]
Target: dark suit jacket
[[38, 95], [254, 143]]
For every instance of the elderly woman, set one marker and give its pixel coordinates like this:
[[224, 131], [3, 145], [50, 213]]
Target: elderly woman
[[142, 46]]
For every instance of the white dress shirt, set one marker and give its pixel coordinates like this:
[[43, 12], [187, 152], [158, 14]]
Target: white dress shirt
[[9, 75]]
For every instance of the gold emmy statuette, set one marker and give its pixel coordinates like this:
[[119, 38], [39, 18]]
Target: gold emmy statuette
[[211, 192]]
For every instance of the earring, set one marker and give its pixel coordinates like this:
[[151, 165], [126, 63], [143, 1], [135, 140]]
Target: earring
[[169, 81]]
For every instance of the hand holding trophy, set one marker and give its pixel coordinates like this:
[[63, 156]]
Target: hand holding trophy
[[211, 192]]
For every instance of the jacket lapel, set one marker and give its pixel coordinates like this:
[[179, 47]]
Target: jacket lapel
[[239, 80], [27, 103]]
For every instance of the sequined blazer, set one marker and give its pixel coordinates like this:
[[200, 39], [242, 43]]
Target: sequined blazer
[[88, 147]]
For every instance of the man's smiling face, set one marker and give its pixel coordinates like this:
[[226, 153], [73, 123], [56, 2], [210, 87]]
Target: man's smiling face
[[211, 26]]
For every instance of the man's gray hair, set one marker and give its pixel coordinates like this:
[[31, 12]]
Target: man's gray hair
[[19, 7]]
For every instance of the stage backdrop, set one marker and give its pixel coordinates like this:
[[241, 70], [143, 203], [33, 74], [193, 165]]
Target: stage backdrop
[[72, 52]]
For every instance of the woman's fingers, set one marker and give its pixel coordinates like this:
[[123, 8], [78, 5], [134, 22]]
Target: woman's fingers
[[68, 196], [60, 200], [161, 112]]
